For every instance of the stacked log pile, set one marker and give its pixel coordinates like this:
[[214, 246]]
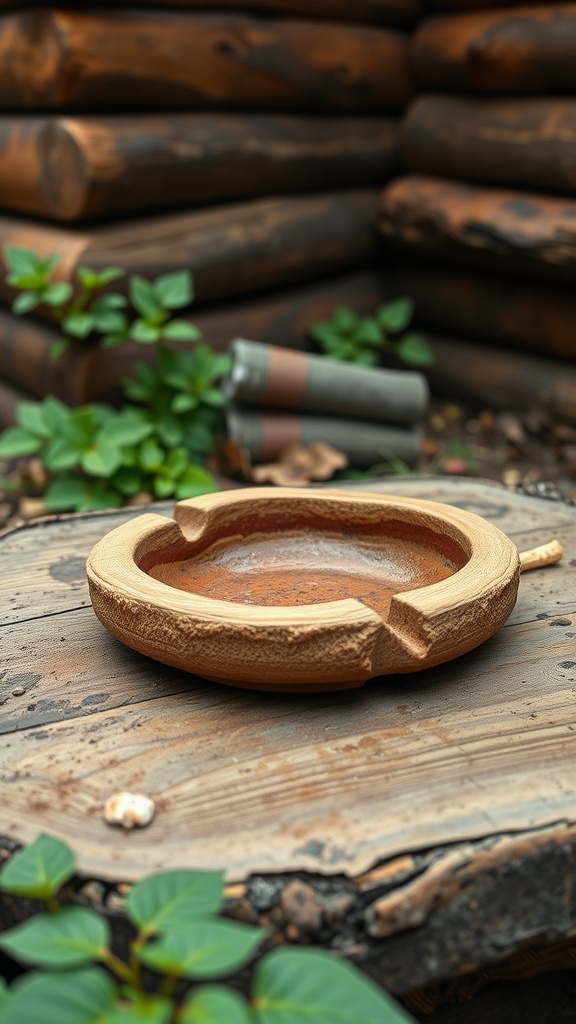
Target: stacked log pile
[[489, 204], [250, 148]]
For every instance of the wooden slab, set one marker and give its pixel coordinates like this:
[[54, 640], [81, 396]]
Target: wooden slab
[[437, 810], [530, 49], [163, 60], [83, 168], [491, 228], [524, 141], [230, 250]]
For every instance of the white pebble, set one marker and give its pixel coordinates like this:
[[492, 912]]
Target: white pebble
[[128, 810]]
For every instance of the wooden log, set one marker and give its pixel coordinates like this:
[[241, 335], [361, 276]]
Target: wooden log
[[9, 400], [86, 372], [531, 317], [530, 142], [165, 60], [230, 250], [74, 169], [509, 231], [463, 5], [520, 50], [502, 379], [387, 12]]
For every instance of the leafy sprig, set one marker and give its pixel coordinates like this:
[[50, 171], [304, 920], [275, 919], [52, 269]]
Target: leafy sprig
[[352, 338]]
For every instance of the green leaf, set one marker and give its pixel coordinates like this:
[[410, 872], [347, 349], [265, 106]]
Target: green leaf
[[183, 403], [79, 997], [29, 416], [143, 296], [111, 321], [143, 332], [64, 495], [79, 325], [396, 315], [144, 1010], [204, 949], [195, 480], [214, 1004], [102, 460], [163, 487], [25, 302], [91, 279], [151, 455], [181, 330], [60, 455], [68, 939], [173, 291], [40, 869], [20, 260], [297, 985], [57, 294], [344, 320], [415, 350], [57, 416], [107, 302], [97, 494], [128, 427], [368, 332], [214, 397], [128, 481], [15, 442]]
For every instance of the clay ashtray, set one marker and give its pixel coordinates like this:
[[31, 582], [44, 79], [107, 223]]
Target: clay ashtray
[[304, 590]]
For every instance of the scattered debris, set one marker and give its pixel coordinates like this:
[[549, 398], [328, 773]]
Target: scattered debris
[[129, 810]]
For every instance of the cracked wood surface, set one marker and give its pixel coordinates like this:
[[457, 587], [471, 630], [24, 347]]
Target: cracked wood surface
[[479, 746]]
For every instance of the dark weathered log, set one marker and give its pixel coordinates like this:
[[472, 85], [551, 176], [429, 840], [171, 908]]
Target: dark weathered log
[[503, 379], [529, 142], [387, 12], [86, 372], [82, 60], [465, 5], [10, 397], [81, 168], [529, 316], [521, 50], [230, 250], [520, 232]]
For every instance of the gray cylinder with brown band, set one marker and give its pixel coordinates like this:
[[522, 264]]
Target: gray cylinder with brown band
[[264, 435], [281, 378]]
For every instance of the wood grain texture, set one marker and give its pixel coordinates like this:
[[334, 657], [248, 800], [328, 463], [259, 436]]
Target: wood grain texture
[[503, 711], [494, 229], [86, 372], [508, 311], [528, 49], [504, 379], [162, 60], [525, 141], [230, 250], [83, 168], [387, 12]]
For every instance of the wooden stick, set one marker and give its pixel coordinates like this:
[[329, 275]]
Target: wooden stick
[[544, 554]]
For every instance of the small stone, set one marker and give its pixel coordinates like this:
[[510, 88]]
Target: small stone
[[18, 692], [454, 466], [129, 810], [31, 508], [511, 476]]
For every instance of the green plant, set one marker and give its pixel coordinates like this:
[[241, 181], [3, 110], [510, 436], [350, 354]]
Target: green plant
[[97, 456], [182, 942], [353, 338]]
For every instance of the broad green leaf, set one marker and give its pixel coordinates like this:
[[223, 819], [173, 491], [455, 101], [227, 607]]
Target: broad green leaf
[[183, 403], [177, 461], [108, 301], [15, 441], [294, 986], [173, 291], [20, 260], [151, 455], [57, 416], [78, 997], [143, 332], [97, 495], [25, 302], [214, 1004], [143, 296], [415, 350], [102, 460], [59, 455], [164, 487], [68, 939], [128, 481], [214, 397], [30, 416], [57, 294], [181, 330], [344, 320], [194, 481], [396, 315], [79, 325], [206, 948], [64, 495], [111, 321], [368, 332], [91, 279], [128, 427]]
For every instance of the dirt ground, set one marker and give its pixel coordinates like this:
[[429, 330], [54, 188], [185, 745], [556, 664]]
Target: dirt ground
[[526, 450]]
